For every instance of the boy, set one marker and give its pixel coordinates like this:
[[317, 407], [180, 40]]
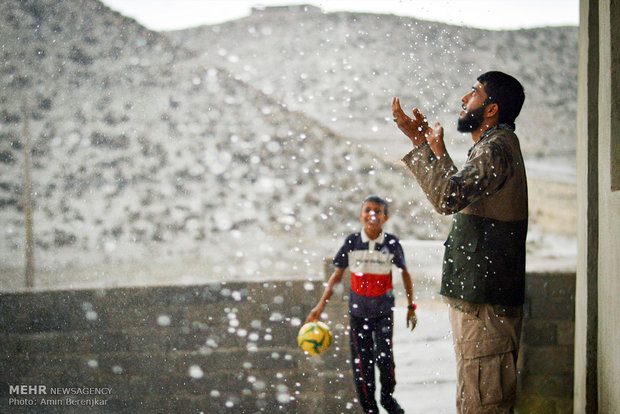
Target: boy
[[370, 255]]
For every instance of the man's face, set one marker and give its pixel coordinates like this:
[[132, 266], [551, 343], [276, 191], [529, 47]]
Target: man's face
[[473, 104]]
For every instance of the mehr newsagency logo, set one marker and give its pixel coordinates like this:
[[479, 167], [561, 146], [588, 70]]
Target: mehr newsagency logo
[[42, 395]]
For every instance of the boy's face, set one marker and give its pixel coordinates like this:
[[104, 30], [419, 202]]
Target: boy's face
[[373, 216]]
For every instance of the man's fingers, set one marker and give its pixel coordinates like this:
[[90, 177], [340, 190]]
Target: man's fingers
[[396, 109], [395, 104], [419, 117]]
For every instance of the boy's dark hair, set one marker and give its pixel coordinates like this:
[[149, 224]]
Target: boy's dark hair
[[378, 200], [506, 92]]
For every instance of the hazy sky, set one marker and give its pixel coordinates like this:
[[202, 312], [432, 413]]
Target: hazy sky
[[488, 14]]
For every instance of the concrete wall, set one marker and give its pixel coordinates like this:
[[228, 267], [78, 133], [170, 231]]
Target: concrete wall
[[230, 348], [597, 364], [547, 345], [586, 315], [609, 211], [213, 349]]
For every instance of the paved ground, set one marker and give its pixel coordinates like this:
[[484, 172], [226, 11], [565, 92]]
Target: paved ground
[[425, 364]]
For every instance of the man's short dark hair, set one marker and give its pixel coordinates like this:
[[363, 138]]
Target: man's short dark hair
[[506, 92], [378, 200]]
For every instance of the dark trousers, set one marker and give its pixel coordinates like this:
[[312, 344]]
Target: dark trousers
[[371, 343]]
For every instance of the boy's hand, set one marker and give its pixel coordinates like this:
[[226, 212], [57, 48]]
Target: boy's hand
[[412, 319], [314, 315]]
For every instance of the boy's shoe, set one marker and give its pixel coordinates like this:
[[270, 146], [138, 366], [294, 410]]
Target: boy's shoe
[[391, 406], [396, 410]]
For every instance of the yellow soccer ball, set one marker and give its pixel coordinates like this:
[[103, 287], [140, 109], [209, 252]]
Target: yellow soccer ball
[[314, 338]]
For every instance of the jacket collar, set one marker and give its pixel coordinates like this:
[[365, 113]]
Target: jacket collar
[[488, 132], [378, 240]]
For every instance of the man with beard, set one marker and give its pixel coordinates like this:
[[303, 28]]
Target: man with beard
[[483, 275]]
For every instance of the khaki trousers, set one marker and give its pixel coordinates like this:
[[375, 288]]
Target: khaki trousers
[[486, 343]]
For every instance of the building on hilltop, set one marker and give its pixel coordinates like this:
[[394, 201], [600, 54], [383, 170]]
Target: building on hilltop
[[296, 8]]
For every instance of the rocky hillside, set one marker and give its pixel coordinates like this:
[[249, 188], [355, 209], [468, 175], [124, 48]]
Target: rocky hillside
[[142, 152], [343, 69]]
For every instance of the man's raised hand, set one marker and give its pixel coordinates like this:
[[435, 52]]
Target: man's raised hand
[[435, 140], [416, 128]]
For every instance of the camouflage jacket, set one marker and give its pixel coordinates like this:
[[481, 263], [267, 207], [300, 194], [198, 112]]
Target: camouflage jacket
[[484, 260]]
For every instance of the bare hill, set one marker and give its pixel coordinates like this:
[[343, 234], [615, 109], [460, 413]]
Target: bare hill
[[343, 69], [141, 153]]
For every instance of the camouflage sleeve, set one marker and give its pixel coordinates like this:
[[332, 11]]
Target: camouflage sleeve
[[430, 173], [450, 190]]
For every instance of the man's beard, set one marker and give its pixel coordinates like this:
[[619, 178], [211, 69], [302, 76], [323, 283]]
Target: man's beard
[[471, 121]]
